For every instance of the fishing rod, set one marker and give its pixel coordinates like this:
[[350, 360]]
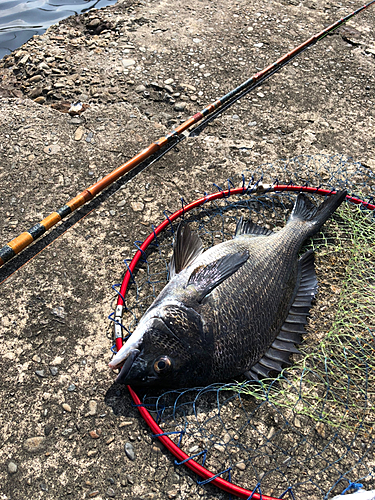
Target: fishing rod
[[19, 243]]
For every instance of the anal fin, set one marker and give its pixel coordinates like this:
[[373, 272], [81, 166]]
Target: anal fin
[[293, 328]]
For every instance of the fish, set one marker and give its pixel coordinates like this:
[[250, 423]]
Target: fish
[[236, 309]]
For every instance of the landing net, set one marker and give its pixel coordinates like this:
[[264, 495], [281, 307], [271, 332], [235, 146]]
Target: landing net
[[310, 431]]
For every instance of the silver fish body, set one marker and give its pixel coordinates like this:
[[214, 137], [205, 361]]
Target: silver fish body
[[237, 308]]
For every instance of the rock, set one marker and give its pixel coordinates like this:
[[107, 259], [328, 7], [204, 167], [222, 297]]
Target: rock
[[36, 79], [12, 467], [241, 466], [40, 373], [50, 150], [93, 494], [71, 388], [40, 100], [129, 450], [188, 87], [33, 94], [59, 339], [121, 203], [34, 444], [94, 434], [179, 106], [128, 62], [59, 311], [58, 360], [111, 492], [137, 206], [24, 59], [93, 23], [140, 88], [93, 408], [168, 81], [78, 134], [66, 407]]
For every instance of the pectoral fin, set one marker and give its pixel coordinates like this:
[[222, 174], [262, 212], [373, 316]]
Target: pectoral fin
[[207, 277]]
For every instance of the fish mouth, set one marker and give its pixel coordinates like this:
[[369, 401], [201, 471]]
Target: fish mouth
[[126, 367]]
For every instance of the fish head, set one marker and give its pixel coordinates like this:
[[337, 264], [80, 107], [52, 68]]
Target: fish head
[[165, 351]]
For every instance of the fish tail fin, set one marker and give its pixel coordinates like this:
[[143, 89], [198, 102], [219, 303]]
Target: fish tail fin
[[304, 210]]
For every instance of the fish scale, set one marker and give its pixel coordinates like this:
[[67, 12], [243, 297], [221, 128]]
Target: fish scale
[[236, 309]]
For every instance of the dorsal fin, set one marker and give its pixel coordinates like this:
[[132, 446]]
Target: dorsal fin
[[293, 327], [186, 248], [249, 227], [207, 277]]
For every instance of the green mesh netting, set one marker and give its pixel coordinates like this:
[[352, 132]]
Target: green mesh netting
[[310, 429]]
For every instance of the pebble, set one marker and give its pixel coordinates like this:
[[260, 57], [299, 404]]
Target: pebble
[[40, 373], [140, 88], [168, 81], [40, 100], [54, 371], [71, 388], [94, 434], [129, 450], [75, 120], [35, 93], [125, 424], [12, 467], [91, 453], [128, 62], [121, 203], [93, 407], [34, 444], [66, 407], [137, 206], [59, 311], [172, 493], [50, 150], [36, 78], [58, 360], [179, 106], [321, 430], [241, 466], [111, 492], [93, 494], [89, 137], [78, 134], [59, 339], [219, 447]]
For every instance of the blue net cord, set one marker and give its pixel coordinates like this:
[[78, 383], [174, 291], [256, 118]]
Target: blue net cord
[[257, 487], [289, 491], [203, 452], [206, 481]]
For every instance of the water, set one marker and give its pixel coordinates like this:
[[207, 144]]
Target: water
[[19, 20]]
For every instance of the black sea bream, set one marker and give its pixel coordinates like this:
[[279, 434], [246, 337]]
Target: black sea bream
[[237, 308]]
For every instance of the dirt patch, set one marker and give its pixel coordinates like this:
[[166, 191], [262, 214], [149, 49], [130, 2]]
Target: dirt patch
[[141, 68]]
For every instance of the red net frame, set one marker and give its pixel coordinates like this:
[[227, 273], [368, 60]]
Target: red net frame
[[178, 453]]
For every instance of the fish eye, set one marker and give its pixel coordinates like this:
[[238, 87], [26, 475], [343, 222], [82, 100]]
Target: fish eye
[[162, 364]]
